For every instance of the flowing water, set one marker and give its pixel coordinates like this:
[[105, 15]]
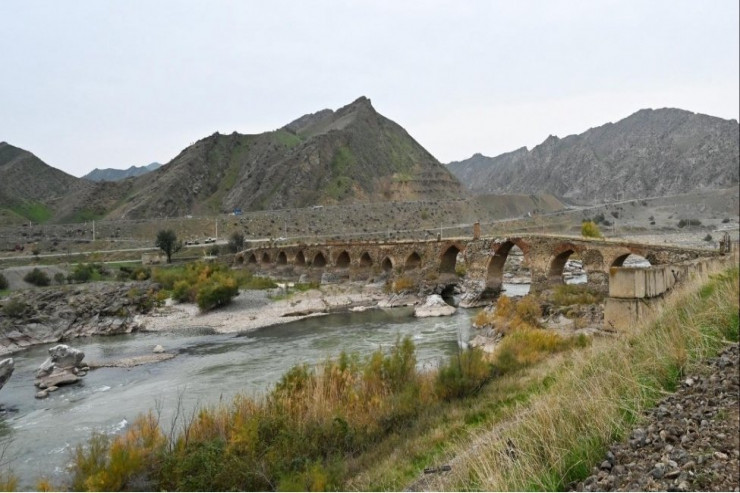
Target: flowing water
[[40, 434]]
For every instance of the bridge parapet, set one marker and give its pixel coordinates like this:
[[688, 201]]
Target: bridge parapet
[[635, 294]]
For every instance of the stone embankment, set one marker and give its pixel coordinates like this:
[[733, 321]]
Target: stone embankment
[[54, 314], [689, 442]]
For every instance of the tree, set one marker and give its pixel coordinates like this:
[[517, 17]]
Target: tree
[[589, 229], [236, 242], [167, 242]]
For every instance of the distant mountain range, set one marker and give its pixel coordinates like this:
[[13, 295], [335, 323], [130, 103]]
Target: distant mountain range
[[650, 153], [112, 174], [356, 155]]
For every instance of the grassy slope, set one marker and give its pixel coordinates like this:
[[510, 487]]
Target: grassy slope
[[597, 396]]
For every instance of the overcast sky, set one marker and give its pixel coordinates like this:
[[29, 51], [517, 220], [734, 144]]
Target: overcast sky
[[88, 84]]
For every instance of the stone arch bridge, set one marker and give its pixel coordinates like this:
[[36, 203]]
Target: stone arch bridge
[[482, 260]]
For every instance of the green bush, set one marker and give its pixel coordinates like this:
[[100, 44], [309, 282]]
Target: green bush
[[3, 282], [215, 293], [86, 272], [37, 277], [60, 278]]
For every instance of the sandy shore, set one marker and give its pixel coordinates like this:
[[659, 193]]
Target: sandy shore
[[255, 309]]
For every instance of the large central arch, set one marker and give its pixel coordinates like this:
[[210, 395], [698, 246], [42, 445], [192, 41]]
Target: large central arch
[[495, 271], [448, 260]]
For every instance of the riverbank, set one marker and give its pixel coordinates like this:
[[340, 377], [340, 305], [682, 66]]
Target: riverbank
[[255, 309]]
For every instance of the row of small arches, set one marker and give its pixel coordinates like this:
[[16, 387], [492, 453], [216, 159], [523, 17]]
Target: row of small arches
[[343, 260]]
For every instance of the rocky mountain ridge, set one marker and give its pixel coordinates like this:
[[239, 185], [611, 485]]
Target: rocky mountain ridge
[[350, 155], [650, 153], [112, 174]]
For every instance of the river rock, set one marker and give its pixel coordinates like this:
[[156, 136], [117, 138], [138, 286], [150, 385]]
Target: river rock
[[6, 369], [434, 306], [61, 357], [64, 366], [158, 349]]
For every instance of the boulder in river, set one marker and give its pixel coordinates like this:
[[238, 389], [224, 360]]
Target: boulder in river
[[434, 306], [64, 366], [62, 357], [6, 369]]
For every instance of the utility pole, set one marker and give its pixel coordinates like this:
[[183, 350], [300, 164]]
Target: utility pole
[[217, 228], [93, 229]]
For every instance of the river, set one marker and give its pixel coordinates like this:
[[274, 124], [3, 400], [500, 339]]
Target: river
[[39, 435]]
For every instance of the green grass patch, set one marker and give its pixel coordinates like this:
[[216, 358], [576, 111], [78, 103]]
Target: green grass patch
[[34, 211], [342, 161]]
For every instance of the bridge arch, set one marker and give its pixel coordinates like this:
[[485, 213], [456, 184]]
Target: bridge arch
[[413, 261], [265, 258], [252, 259], [366, 260], [300, 258], [239, 258], [495, 269], [319, 260], [386, 264], [448, 260], [282, 258], [342, 260], [631, 260]]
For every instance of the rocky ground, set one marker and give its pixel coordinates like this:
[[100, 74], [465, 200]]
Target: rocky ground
[[52, 314], [688, 442]]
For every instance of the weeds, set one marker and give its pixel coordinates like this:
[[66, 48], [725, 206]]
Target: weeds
[[574, 294]]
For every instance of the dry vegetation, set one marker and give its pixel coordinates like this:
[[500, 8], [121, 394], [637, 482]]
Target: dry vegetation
[[597, 395]]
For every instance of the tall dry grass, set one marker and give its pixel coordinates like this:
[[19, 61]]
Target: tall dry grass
[[598, 396]]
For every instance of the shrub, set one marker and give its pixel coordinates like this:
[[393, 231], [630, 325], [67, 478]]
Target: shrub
[[688, 222], [139, 273], [512, 315], [463, 375], [403, 283], [708, 237], [87, 272], [589, 229], [218, 291], [60, 278], [3, 281], [37, 277], [14, 308], [484, 318]]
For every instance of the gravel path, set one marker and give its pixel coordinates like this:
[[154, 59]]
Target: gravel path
[[689, 441]]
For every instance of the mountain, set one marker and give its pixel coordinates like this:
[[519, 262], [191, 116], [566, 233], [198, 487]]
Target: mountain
[[350, 155], [30, 189], [111, 174], [649, 153]]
